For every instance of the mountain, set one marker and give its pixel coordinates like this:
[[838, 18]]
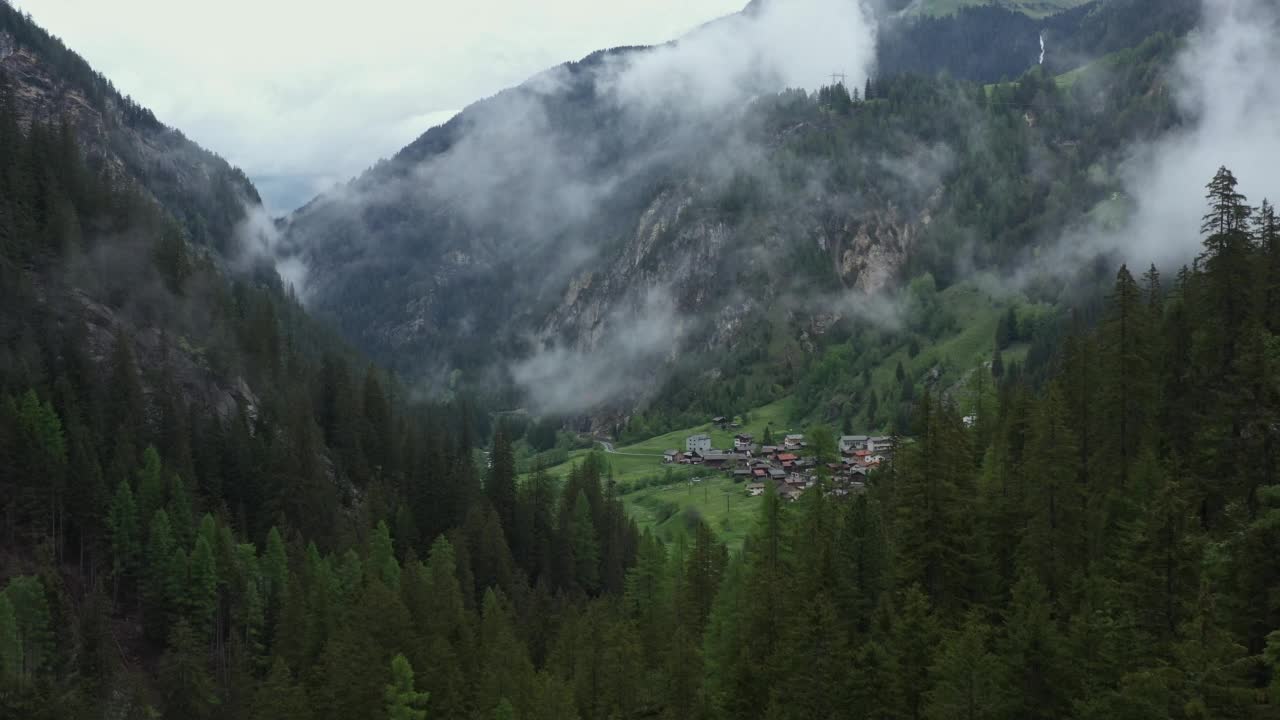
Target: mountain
[[576, 241], [49, 83]]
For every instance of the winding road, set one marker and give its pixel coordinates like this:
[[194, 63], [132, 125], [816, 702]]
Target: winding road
[[608, 448]]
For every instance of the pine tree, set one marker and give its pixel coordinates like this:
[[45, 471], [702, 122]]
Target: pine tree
[[1213, 667], [933, 496], [913, 639], [126, 413], [862, 562], [1266, 234], [122, 522], [279, 697], [382, 563], [1055, 539], [202, 589], [26, 595], [164, 575], [441, 622], [508, 675], [151, 494], [490, 558], [702, 573], [585, 545], [184, 680], [501, 485], [965, 672], [181, 514], [403, 702], [723, 641], [1227, 209], [815, 647], [10, 644], [1037, 682], [275, 574]]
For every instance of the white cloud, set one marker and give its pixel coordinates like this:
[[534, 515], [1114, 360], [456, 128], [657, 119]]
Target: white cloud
[[1224, 80], [319, 90]]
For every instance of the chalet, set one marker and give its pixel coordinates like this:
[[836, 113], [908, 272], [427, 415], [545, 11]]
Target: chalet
[[700, 443], [798, 478], [740, 474], [720, 420], [754, 489], [879, 444], [760, 472], [777, 474], [721, 459], [742, 442], [670, 456], [789, 493], [793, 442], [852, 443]]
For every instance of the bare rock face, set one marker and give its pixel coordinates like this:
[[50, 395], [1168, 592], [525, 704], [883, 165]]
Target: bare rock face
[[877, 246], [158, 354]]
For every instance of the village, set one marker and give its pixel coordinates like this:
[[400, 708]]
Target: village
[[786, 466]]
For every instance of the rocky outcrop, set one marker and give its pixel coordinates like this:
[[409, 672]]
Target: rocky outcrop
[[159, 356]]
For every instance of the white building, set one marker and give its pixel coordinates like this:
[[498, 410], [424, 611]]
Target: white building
[[700, 443], [849, 444], [879, 444]]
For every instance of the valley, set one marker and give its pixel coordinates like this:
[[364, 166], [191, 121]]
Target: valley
[[831, 359]]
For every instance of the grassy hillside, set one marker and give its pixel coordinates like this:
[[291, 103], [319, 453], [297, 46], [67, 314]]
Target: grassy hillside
[[715, 498], [643, 460], [968, 315]]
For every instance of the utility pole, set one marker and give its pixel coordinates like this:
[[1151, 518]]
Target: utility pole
[[837, 78]]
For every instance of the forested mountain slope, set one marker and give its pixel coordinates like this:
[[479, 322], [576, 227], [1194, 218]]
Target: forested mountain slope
[[571, 246], [48, 83], [188, 465]]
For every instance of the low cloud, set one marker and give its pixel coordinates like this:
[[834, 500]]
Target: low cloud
[[1224, 86], [258, 239], [623, 361]]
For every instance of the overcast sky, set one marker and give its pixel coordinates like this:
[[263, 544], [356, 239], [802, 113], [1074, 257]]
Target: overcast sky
[[302, 94]]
